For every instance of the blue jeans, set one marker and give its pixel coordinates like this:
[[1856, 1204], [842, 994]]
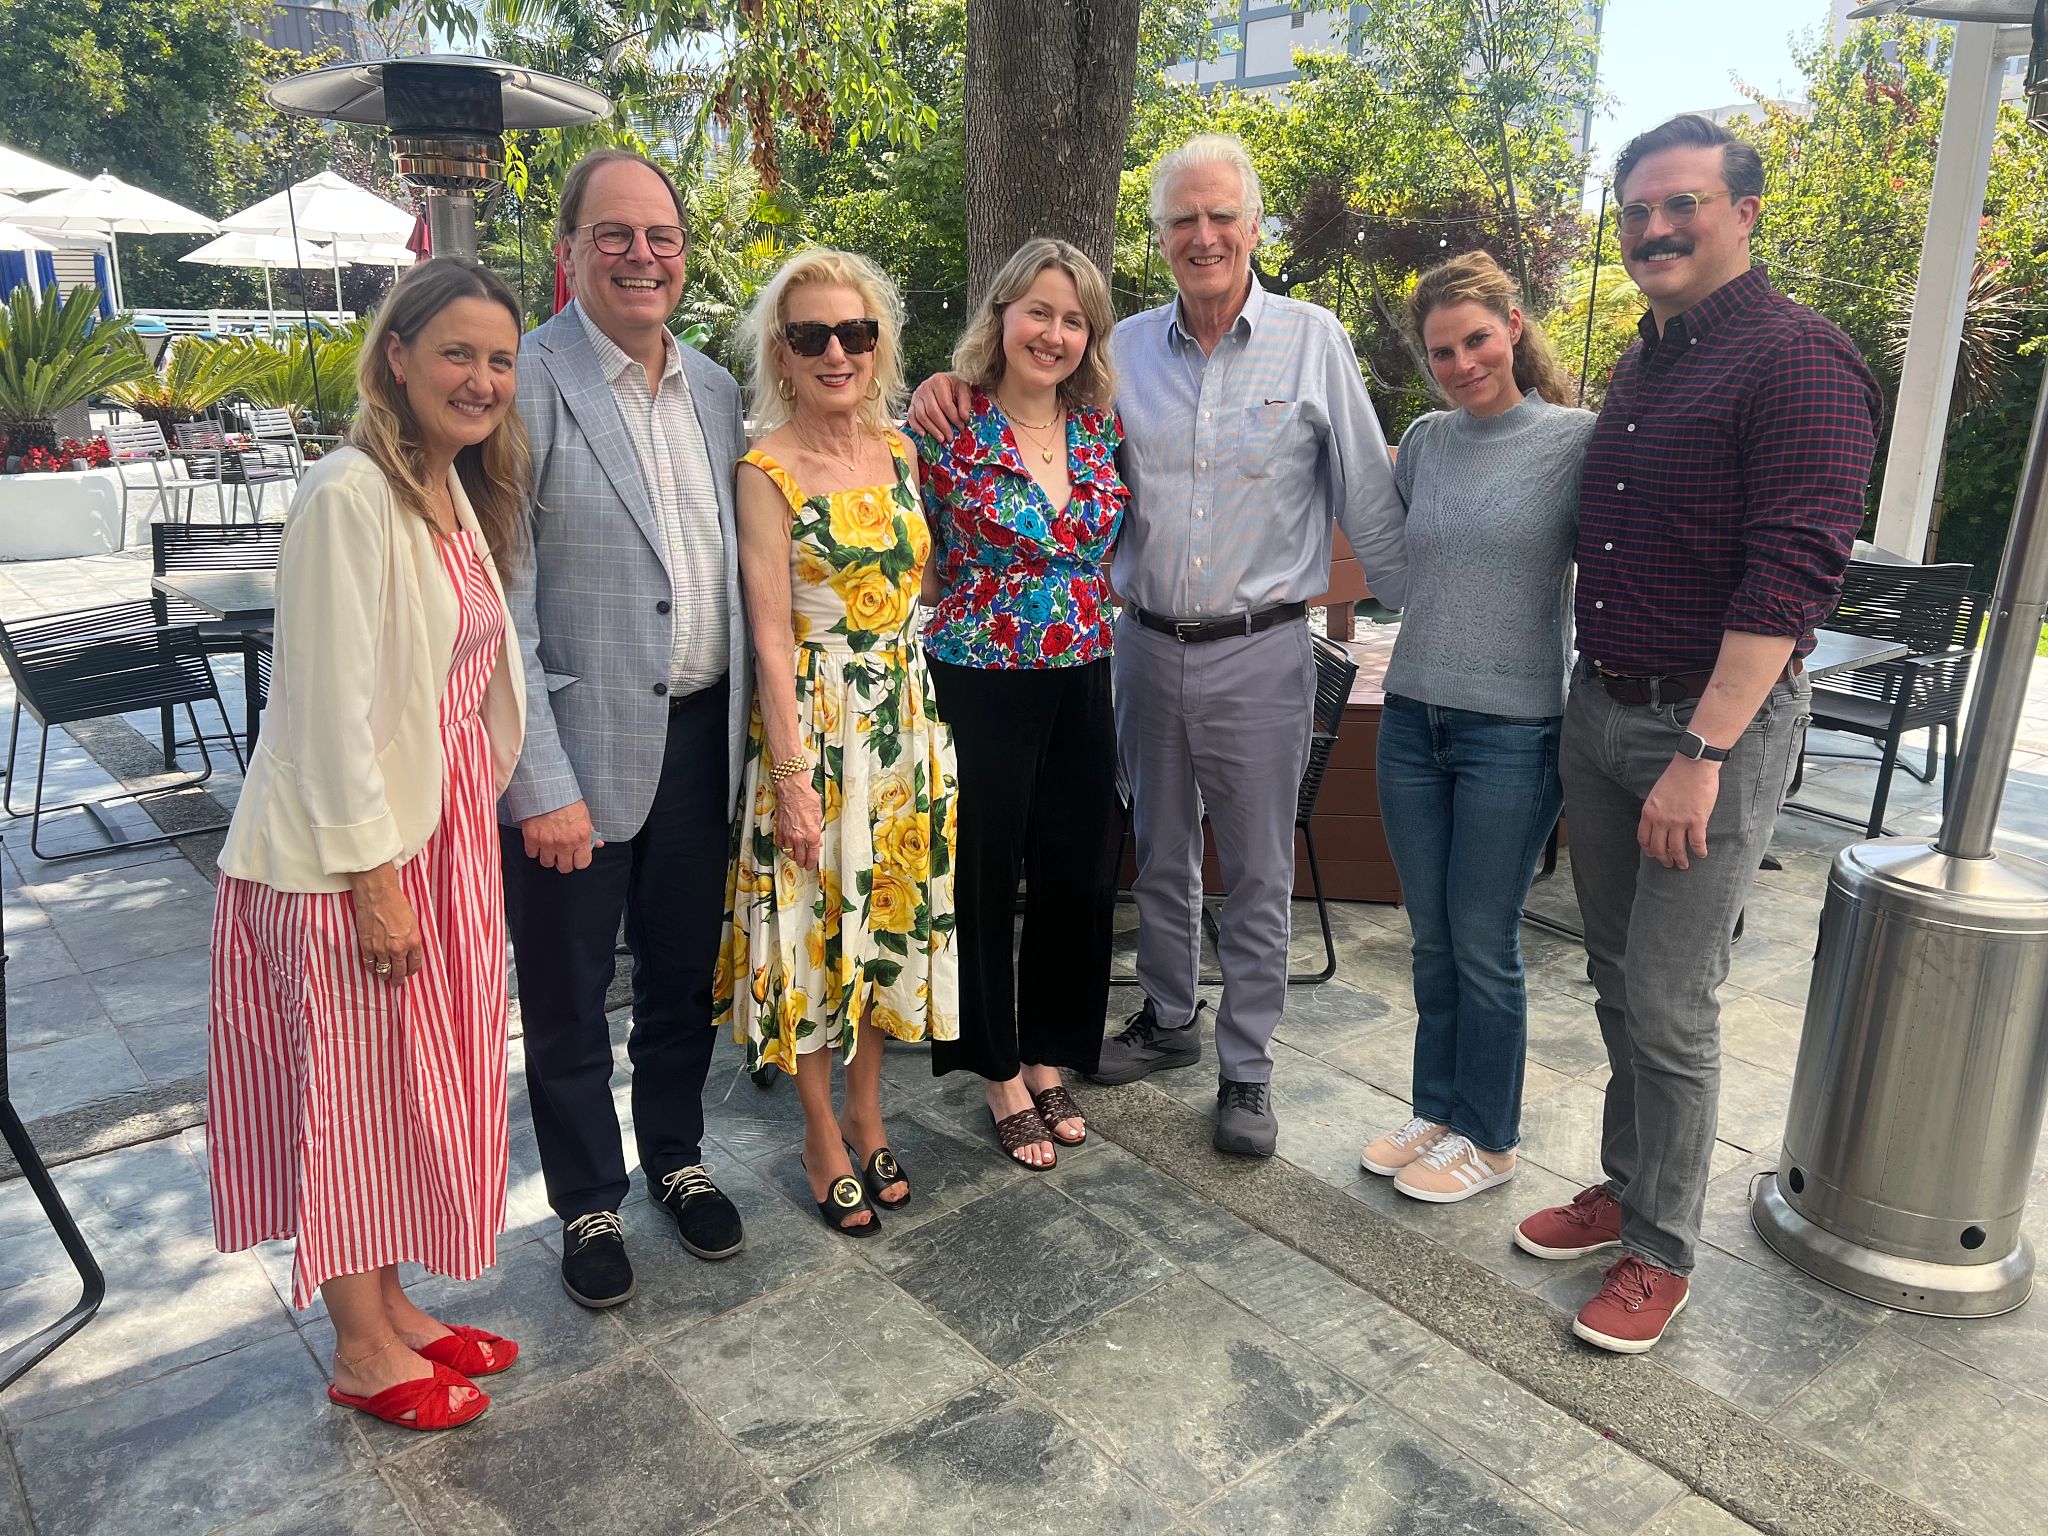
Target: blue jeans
[[1467, 800]]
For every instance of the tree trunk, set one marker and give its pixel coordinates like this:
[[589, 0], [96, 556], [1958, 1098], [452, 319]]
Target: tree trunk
[[1048, 95]]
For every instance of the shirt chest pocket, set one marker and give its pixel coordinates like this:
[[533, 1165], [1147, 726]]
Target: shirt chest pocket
[[1270, 437]]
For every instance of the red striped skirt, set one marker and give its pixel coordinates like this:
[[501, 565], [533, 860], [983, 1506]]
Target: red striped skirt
[[366, 1119]]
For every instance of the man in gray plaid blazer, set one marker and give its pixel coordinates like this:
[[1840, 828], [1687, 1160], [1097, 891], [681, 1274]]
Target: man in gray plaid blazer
[[633, 632]]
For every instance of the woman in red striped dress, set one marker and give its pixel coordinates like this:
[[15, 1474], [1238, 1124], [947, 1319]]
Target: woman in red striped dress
[[357, 1041]]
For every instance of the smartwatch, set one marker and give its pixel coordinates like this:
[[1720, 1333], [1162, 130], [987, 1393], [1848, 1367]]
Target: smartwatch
[[1694, 746]]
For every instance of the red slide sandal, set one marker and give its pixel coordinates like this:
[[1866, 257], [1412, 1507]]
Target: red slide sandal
[[471, 1351], [425, 1399]]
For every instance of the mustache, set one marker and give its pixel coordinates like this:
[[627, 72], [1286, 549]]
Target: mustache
[[1668, 245]]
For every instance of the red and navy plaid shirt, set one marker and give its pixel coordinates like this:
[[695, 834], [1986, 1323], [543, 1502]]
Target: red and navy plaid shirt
[[1724, 482]]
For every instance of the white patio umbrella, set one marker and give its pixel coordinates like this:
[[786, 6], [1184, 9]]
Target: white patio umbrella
[[327, 208], [109, 207], [264, 251], [24, 173]]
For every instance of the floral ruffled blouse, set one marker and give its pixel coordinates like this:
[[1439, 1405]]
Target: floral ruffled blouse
[[1024, 584]]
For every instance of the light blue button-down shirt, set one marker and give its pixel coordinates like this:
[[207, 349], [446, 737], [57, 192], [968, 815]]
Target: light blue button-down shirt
[[1238, 461]]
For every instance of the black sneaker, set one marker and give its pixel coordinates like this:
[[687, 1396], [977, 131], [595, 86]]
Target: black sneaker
[[595, 1270], [1142, 1047], [707, 1222], [1245, 1123]]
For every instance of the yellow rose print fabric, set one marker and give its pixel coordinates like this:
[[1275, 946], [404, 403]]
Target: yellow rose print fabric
[[869, 936]]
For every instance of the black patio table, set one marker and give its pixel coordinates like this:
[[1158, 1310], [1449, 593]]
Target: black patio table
[[233, 597], [16, 1359]]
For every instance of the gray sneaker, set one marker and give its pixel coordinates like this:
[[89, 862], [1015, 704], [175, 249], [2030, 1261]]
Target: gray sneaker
[[1142, 1047], [1245, 1125]]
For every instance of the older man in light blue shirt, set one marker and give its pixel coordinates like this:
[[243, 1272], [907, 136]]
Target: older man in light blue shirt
[[1247, 432]]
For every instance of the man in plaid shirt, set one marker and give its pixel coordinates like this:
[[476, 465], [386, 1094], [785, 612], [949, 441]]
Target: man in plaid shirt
[[1722, 490]]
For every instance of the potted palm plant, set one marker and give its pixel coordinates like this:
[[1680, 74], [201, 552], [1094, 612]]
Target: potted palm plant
[[198, 373], [54, 353], [316, 381]]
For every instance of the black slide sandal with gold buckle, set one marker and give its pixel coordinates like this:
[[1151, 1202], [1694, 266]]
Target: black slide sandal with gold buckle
[[881, 1171], [847, 1199]]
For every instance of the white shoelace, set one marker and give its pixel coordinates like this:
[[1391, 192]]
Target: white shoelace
[[596, 1224], [1449, 1148], [693, 1180], [1414, 1131]]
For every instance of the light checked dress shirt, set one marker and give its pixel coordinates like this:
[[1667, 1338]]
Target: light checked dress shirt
[[1238, 461], [676, 467]]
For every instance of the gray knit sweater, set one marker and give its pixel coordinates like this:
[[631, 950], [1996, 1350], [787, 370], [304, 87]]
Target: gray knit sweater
[[1493, 508]]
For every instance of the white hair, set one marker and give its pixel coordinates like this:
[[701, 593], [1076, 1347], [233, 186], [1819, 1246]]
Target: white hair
[[1205, 149]]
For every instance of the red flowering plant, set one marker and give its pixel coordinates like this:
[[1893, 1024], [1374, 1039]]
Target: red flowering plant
[[39, 459], [96, 454]]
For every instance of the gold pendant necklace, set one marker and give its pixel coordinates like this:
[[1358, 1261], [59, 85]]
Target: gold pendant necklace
[[852, 466], [1018, 422]]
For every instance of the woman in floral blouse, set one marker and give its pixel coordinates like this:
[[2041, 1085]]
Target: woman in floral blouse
[[840, 924], [1024, 503]]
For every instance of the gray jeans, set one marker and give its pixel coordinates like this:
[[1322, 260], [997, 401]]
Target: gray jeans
[[1658, 941], [1220, 727]]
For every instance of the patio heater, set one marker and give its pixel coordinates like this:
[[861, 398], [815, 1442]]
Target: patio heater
[[1923, 1065], [447, 113]]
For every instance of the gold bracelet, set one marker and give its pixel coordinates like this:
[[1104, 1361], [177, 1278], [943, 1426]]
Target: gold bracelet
[[788, 767]]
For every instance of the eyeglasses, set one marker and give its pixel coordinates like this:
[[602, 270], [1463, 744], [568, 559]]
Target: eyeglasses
[[617, 239], [1679, 210], [810, 338]]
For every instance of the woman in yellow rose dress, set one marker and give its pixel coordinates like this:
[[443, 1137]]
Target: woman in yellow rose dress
[[840, 926]]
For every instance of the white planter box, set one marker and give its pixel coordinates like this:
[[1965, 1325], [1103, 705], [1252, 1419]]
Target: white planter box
[[57, 516]]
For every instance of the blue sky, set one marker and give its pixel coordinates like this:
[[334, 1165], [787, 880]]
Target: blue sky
[[1658, 57]]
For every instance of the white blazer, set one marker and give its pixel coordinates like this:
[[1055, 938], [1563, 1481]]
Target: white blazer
[[347, 771]]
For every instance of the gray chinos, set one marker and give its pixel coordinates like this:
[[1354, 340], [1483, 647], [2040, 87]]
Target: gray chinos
[[1221, 726], [1658, 941]]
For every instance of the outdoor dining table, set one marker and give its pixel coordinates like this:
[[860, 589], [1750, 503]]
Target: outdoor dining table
[[246, 598]]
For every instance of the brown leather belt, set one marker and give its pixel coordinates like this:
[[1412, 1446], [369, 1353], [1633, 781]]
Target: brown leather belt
[[1671, 688], [1196, 631]]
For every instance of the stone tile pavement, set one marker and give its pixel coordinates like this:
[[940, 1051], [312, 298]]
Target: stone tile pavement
[[1139, 1341]]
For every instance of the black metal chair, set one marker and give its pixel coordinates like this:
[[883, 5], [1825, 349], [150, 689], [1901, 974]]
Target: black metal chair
[[257, 657], [1931, 611], [16, 1359], [1335, 673], [207, 547], [92, 663]]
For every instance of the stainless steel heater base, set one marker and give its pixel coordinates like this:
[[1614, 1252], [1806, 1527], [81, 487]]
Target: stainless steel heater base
[[1923, 1072], [1906, 1285]]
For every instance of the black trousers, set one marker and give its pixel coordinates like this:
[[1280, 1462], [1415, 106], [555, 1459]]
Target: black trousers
[[1037, 767], [668, 881]]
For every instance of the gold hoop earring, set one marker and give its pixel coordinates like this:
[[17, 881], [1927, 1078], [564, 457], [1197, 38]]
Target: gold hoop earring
[[785, 389], [874, 389]]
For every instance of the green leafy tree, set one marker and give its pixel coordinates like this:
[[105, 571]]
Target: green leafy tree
[[1848, 175], [1375, 169], [744, 65]]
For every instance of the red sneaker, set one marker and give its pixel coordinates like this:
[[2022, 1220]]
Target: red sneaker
[[1591, 1222], [1635, 1304]]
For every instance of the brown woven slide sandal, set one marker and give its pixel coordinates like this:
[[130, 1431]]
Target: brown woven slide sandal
[[1019, 1131], [1054, 1105]]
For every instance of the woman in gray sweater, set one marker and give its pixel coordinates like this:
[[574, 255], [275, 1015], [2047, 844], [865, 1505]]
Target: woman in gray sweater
[[1475, 693]]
